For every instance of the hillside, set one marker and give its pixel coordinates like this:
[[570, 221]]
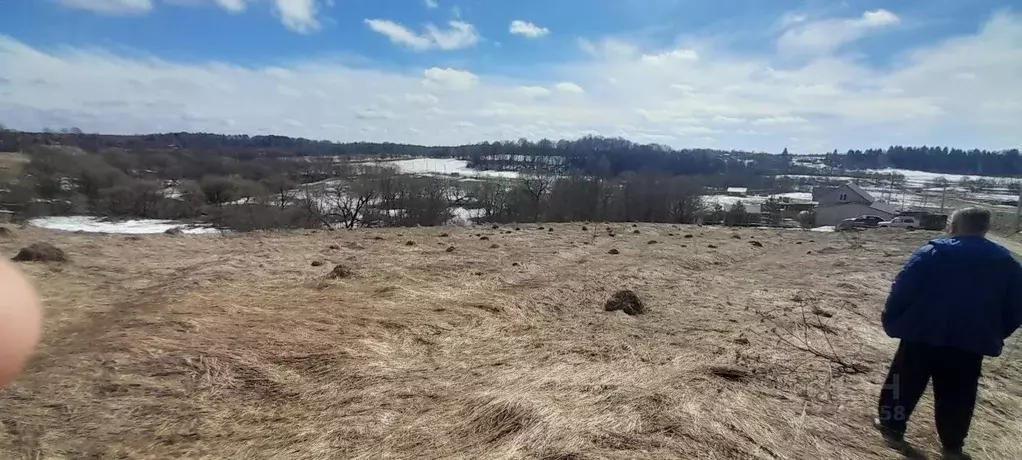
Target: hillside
[[215, 347]]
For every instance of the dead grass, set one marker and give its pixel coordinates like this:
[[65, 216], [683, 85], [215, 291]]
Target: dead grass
[[12, 164], [231, 347]]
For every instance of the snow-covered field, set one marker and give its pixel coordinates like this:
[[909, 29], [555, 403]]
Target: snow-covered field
[[1004, 195], [919, 178], [794, 196], [445, 166], [821, 178], [92, 224], [726, 201]]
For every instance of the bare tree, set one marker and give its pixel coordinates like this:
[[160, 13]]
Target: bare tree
[[346, 205], [219, 190], [456, 195], [191, 194], [536, 185], [575, 198], [424, 201], [282, 190], [491, 196], [685, 201], [133, 197], [352, 204]]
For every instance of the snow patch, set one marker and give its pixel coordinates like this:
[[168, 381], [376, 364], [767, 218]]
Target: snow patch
[[465, 217], [921, 177], [726, 201], [91, 224], [445, 166]]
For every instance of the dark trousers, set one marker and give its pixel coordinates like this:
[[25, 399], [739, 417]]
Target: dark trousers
[[955, 375]]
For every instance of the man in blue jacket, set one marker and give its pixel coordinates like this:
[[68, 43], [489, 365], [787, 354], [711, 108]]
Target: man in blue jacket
[[953, 303]]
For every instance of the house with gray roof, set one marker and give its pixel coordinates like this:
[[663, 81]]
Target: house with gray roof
[[848, 201]]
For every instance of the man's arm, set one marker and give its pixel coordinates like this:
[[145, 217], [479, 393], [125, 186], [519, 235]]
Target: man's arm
[[1013, 302], [907, 284], [20, 322]]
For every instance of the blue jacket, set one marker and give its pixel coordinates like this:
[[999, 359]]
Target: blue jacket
[[964, 293]]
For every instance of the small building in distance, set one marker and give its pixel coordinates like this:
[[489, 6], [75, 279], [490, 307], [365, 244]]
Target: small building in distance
[[836, 204], [737, 191]]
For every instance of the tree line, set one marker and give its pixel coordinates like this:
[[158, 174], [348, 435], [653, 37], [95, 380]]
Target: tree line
[[932, 159], [315, 192], [592, 155]]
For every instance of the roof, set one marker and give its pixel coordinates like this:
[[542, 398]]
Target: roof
[[883, 207], [859, 191]]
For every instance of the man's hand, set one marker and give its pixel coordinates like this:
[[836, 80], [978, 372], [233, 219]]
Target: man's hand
[[20, 322]]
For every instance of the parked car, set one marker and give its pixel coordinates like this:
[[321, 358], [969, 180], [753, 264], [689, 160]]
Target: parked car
[[860, 222], [908, 222], [869, 221]]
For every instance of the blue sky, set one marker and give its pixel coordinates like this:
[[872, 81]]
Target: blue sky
[[752, 74]]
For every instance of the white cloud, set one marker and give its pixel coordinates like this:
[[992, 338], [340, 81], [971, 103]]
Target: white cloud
[[779, 120], [726, 120], [880, 18], [298, 15], [824, 36], [608, 48], [790, 19], [961, 91], [533, 91], [398, 34], [111, 7], [432, 4], [459, 35], [568, 87], [234, 6], [669, 56], [693, 130], [422, 99], [527, 29], [450, 78], [375, 113], [231, 6]]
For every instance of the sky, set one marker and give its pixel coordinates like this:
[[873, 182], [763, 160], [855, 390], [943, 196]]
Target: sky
[[808, 75]]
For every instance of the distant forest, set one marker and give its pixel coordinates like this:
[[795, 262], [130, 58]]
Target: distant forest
[[932, 159], [606, 157]]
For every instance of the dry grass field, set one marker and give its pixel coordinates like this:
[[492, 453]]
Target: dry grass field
[[11, 164], [237, 347]]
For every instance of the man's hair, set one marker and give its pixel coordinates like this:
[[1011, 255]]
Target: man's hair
[[970, 221]]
